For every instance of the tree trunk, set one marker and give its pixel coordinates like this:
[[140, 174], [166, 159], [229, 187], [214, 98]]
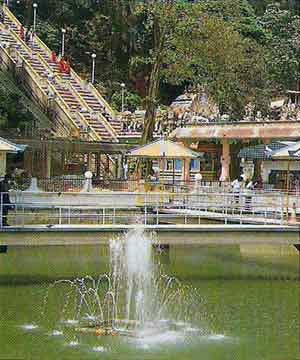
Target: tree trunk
[[235, 162], [152, 97]]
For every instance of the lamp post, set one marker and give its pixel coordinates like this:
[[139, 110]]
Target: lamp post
[[123, 93], [93, 67], [35, 5], [63, 32]]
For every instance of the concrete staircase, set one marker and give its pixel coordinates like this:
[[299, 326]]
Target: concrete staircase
[[82, 104]]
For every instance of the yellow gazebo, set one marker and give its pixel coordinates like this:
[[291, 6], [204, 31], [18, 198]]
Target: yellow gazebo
[[162, 150]]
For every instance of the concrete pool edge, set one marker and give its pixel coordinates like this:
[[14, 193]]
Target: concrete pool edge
[[166, 234]]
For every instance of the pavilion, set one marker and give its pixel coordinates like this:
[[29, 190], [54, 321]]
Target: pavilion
[[167, 150]]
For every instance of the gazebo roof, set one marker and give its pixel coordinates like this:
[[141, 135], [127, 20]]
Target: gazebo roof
[[164, 149], [10, 147]]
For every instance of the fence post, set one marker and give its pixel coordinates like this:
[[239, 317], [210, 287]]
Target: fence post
[[157, 211], [145, 214], [59, 220], [281, 209]]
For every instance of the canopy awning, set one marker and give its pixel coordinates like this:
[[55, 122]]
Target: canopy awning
[[10, 147], [239, 130], [291, 152], [164, 149], [263, 152]]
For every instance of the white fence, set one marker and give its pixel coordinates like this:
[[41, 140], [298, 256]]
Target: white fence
[[51, 209]]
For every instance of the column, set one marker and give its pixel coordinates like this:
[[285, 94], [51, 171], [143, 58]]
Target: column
[[2, 163], [97, 165], [28, 161], [186, 170], [120, 167], [225, 161], [90, 161], [48, 160]]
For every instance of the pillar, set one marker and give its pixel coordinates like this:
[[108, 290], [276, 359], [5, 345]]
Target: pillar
[[186, 170], [2, 163], [90, 162], [48, 162], [120, 167], [28, 161], [97, 164], [225, 161]]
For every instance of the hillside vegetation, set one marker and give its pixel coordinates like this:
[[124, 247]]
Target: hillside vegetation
[[239, 51]]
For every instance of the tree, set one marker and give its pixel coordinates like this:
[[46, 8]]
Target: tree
[[211, 53], [283, 28], [191, 47]]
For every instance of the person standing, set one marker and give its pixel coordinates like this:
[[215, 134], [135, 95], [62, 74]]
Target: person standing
[[4, 199], [236, 188], [22, 32], [249, 187]]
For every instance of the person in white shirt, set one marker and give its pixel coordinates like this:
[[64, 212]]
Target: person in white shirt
[[236, 188], [249, 187]]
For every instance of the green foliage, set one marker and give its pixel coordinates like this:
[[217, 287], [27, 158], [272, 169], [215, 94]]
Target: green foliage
[[283, 29], [238, 49], [12, 113], [132, 101], [214, 54]]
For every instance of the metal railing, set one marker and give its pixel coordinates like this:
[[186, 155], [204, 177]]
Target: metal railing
[[151, 208], [75, 182]]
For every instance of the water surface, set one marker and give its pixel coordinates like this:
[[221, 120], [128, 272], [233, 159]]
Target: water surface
[[248, 305]]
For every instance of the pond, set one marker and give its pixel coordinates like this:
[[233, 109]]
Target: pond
[[245, 304]]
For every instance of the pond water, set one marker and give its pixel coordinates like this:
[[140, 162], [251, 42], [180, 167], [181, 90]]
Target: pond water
[[246, 305]]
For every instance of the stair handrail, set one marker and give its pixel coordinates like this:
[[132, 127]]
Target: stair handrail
[[95, 136], [106, 124], [56, 92], [73, 72], [10, 15], [35, 76], [94, 91]]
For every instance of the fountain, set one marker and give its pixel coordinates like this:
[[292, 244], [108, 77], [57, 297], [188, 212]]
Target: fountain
[[134, 299]]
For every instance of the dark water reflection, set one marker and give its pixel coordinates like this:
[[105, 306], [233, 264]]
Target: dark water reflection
[[249, 300]]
